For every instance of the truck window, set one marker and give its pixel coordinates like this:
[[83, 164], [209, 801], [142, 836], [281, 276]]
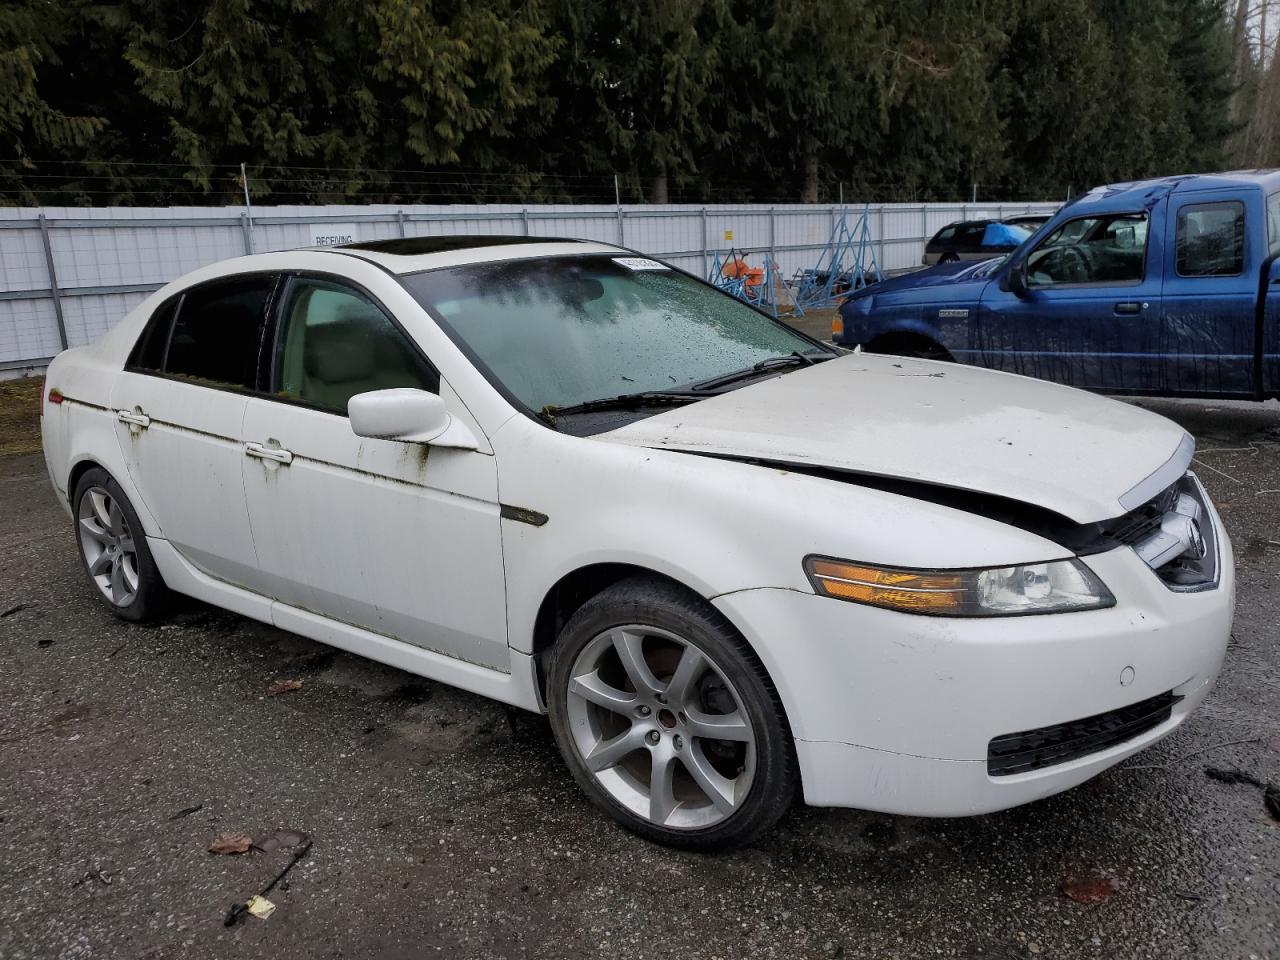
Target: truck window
[[1210, 239], [1273, 222], [1110, 248]]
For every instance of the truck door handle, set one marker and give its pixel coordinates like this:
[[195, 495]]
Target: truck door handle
[[1129, 306], [134, 419], [263, 452]]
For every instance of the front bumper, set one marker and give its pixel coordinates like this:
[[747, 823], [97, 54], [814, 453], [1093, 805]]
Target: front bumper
[[894, 712]]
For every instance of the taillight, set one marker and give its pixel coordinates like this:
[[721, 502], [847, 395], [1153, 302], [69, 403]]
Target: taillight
[[55, 395]]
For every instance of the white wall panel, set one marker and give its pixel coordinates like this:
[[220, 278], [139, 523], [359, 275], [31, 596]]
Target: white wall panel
[[117, 246]]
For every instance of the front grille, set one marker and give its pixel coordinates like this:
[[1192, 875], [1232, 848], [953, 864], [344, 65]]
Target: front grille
[[1036, 749]]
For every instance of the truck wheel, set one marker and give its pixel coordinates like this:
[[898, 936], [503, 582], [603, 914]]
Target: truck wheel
[[905, 345], [667, 720]]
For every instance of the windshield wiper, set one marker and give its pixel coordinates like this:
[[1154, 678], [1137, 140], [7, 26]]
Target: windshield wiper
[[772, 363], [625, 401]]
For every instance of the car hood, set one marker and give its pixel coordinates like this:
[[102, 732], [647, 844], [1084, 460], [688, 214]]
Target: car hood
[[939, 275], [1082, 456]]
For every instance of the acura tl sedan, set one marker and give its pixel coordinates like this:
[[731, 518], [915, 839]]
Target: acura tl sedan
[[731, 564]]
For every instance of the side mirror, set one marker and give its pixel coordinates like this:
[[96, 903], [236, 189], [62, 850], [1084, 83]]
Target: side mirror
[[408, 415], [1018, 279]]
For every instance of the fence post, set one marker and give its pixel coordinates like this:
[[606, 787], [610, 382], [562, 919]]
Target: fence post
[[773, 227], [924, 222], [248, 212], [622, 233], [880, 238], [524, 215], [400, 220], [705, 263], [53, 281]]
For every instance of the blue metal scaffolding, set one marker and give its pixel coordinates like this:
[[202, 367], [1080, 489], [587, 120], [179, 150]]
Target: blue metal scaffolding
[[757, 286], [846, 265]]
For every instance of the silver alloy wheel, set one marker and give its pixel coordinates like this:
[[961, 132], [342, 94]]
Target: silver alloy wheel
[[660, 727], [108, 546]]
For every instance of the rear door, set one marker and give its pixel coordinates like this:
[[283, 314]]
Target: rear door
[[1212, 262], [1091, 314], [179, 408]]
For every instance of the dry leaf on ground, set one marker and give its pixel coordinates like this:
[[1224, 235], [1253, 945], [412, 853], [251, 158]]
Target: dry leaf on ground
[[226, 843]]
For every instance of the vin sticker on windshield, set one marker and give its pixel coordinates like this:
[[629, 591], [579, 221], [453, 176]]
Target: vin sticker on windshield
[[639, 263]]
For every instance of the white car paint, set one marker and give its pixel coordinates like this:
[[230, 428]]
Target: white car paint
[[1029, 440], [400, 552]]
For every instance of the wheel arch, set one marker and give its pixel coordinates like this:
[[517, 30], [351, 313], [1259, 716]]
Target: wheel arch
[[569, 593], [907, 342], [78, 469]]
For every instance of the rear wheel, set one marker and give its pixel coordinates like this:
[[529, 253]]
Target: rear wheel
[[667, 720], [114, 550]]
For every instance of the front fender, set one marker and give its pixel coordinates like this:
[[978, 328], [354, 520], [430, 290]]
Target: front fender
[[717, 526]]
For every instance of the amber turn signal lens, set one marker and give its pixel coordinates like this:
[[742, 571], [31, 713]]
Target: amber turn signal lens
[[887, 587], [837, 326]]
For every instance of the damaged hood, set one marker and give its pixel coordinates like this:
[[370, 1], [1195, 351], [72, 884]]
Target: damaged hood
[[1080, 455]]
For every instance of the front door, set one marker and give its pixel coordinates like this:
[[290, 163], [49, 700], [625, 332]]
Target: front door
[[179, 408], [1091, 315], [401, 539]]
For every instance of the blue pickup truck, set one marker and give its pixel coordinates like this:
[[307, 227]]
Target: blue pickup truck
[[1165, 287]]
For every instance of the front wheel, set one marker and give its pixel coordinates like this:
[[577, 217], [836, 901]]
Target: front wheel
[[667, 719]]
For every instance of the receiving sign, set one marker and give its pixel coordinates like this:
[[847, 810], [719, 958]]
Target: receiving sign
[[332, 234]]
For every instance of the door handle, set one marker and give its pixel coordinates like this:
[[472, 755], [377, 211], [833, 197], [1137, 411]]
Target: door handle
[[1129, 306], [263, 452], [134, 419]]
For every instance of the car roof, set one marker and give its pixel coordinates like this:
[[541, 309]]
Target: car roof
[[414, 254], [1138, 194]]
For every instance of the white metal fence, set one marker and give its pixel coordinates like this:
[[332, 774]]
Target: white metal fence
[[67, 274]]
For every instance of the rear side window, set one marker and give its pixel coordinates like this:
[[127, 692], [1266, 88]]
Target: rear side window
[[218, 331], [335, 342], [1210, 239], [1273, 222], [945, 234], [148, 352]]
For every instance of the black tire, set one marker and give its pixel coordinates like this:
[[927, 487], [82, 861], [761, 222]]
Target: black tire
[[150, 598], [666, 607], [949, 258], [918, 347]]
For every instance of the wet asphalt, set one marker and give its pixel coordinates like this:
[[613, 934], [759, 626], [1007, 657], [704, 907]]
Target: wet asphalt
[[442, 826]]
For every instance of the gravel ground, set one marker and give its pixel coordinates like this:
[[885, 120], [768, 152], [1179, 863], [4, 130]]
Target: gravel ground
[[443, 826]]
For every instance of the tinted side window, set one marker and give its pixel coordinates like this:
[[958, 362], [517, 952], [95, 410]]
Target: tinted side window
[[1273, 222], [945, 234], [335, 342], [148, 352], [219, 329], [1210, 240], [1110, 248]]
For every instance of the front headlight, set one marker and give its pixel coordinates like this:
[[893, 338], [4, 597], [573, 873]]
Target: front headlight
[[1054, 587]]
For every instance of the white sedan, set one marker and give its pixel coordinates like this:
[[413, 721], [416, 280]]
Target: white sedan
[[731, 564]]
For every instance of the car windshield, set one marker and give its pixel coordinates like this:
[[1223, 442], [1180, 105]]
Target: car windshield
[[557, 332]]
